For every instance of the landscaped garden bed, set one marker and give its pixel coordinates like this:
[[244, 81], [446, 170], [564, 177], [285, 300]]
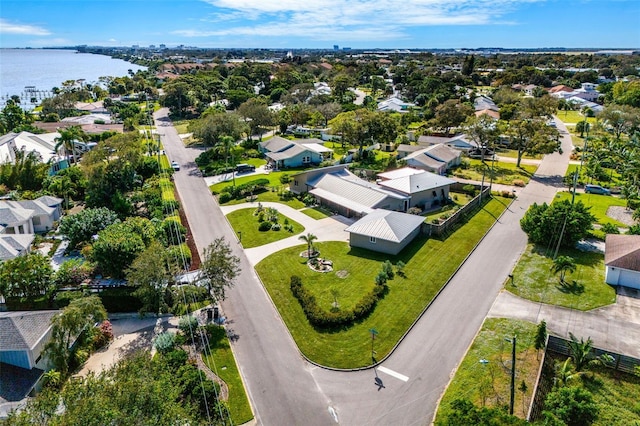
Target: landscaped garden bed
[[353, 276], [255, 230]]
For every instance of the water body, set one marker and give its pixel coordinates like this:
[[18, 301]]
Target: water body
[[45, 69]]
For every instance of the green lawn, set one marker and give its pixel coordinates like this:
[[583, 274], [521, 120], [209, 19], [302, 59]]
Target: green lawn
[[269, 196], [257, 162], [534, 280], [243, 221], [503, 173], [459, 200], [317, 213], [599, 205], [512, 153], [572, 117], [616, 394], [181, 126], [273, 177], [221, 361], [487, 384], [407, 297]]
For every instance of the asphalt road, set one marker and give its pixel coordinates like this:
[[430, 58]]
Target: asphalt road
[[278, 380], [286, 390]]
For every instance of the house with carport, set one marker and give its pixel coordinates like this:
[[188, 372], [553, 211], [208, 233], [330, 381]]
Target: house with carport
[[622, 260]]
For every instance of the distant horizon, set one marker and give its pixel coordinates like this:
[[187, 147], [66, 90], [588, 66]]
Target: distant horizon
[[320, 24]]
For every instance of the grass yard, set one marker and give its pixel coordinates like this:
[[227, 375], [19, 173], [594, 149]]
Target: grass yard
[[245, 222], [221, 361], [572, 117], [317, 213], [269, 196], [273, 177], [407, 297], [512, 153], [586, 290], [599, 205], [459, 200], [488, 384], [181, 126], [503, 173]]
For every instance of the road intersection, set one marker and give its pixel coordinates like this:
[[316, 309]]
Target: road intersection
[[285, 389]]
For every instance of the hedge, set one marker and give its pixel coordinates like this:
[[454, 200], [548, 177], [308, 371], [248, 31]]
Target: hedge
[[318, 317], [259, 185]]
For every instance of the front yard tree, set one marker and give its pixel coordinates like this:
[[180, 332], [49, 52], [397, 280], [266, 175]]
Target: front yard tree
[[213, 126], [219, 268], [25, 276], [257, 114], [571, 406], [562, 265], [80, 315], [80, 227], [543, 223], [309, 239], [532, 136], [452, 113], [151, 274]]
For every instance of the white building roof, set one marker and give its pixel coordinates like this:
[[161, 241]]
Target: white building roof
[[386, 225], [398, 173], [419, 182]]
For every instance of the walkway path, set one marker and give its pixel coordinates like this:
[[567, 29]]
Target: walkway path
[[327, 229], [615, 327]]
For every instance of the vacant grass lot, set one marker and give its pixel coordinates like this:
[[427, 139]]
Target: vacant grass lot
[[459, 199], [488, 384], [221, 361], [585, 290], [572, 117], [429, 264], [243, 221], [503, 173], [599, 205]]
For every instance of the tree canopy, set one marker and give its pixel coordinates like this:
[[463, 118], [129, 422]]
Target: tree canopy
[[219, 268], [544, 223]]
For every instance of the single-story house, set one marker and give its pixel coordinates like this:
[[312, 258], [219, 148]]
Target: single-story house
[[14, 245], [459, 142], [338, 189], [436, 158], [404, 149], [622, 260], [395, 104], [425, 190], [384, 231], [30, 216], [484, 102], [284, 153]]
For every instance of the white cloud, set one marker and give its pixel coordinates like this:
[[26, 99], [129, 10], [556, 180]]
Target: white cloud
[[7, 27], [366, 20]]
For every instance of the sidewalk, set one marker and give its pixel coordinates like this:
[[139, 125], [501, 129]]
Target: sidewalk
[[615, 327], [327, 229]]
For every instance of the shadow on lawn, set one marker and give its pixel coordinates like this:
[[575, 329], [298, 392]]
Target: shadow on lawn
[[573, 287]]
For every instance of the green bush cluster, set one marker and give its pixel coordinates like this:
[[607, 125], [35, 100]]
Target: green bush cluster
[[319, 317], [233, 192]]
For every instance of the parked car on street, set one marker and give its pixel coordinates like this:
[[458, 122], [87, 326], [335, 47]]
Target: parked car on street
[[175, 166]]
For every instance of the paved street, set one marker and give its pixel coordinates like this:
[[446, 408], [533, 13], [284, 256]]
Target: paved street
[[284, 389]]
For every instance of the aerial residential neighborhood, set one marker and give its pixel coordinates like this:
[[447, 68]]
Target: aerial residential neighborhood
[[324, 236]]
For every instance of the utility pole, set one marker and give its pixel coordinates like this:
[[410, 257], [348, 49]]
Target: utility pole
[[513, 374]]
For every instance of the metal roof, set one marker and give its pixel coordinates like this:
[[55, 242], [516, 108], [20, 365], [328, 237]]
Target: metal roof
[[398, 173], [341, 201], [386, 225], [417, 182]]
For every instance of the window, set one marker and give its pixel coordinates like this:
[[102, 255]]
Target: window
[[295, 183], [306, 159], [36, 220], [372, 240]]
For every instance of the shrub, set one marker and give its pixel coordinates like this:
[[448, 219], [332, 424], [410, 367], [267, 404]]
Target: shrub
[[264, 226], [180, 252], [469, 189], [335, 318], [285, 179], [609, 228], [309, 200], [381, 278], [414, 210], [276, 227], [387, 269], [165, 342], [519, 183], [104, 335], [63, 298]]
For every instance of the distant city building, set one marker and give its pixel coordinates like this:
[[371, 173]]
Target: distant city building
[[336, 47], [163, 46]]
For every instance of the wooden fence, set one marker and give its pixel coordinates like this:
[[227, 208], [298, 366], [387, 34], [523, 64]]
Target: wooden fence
[[448, 225]]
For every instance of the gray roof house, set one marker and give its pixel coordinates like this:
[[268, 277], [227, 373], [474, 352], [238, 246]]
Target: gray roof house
[[23, 336], [384, 231], [14, 245], [459, 142], [43, 211], [426, 190], [436, 158], [284, 153], [622, 260]]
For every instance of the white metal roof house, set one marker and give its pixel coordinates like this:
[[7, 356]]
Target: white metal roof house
[[43, 145], [622, 260], [395, 104], [384, 231]]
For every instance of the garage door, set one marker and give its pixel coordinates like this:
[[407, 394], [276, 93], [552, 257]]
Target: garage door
[[629, 279]]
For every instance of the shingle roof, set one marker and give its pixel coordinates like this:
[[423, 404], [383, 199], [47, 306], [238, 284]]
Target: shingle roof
[[386, 225], [276, 144], [417, 183], [50, 201], [22, 330], [37, 206], [10, 215], [290, 152], [622, 251], [442, 153]]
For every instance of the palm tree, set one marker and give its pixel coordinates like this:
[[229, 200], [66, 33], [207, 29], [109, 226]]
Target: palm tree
[[67, 140], [564, 373], [309, 239], [562, 265], [580, 352]]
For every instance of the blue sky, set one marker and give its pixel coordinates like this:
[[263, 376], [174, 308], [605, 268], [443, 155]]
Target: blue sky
[[322, 23]]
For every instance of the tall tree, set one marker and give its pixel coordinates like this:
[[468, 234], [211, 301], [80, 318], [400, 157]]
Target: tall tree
[[67, 141], [309, 239], [562, 265], [25, 276], [151, 272], [79, 315], [212, 127], [257, 114], [532, 136], [219, 268], [452, 113]]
